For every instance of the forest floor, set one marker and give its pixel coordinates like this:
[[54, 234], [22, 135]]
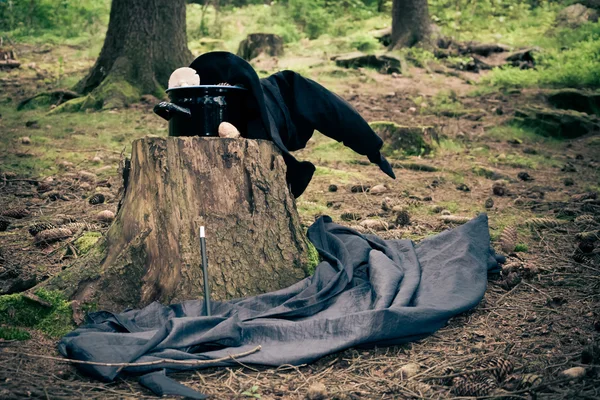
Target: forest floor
[[541, 314]]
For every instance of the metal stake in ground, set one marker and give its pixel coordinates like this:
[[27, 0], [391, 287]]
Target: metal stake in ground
[[205, 272]]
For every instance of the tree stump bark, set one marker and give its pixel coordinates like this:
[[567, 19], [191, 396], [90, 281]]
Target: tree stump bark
[[236, 188]]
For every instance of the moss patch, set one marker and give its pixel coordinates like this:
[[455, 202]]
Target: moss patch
[[55, 321], [11, 333], [313, 259], [87, 241], [405, 140]]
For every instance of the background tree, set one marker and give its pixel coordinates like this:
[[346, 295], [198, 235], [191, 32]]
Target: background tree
[[146, 40], [410, 23]]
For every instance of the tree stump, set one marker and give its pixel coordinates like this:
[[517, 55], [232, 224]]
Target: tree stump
[[236, 188], [257, 43]]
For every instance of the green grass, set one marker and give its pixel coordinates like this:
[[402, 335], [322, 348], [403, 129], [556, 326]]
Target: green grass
[[570, 58], [524, 134], [73, 137]]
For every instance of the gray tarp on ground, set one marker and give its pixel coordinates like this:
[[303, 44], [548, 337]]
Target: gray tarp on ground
[[366, 291]]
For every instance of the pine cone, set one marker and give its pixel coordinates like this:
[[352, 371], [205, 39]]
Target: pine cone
[[52, 235], [584, 196], [403, 218], [17, 213], [464, 387], [588, 236], [98, 198], [499, 188], [586, 219], [4, 224], [508, 239], [38, 227], [580, 257], [86, 176], [489, 203], [455, 219], [75, 227], [502, 368], [418, 387], [519, 382], [350, 216], [542, 223]]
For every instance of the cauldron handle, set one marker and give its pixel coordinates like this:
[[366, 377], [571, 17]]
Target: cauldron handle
[[167, 110]]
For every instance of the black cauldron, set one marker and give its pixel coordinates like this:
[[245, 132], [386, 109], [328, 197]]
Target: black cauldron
[[198, 110]]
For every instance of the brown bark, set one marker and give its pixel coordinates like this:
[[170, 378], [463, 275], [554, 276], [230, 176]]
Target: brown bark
[[410, 23], [146, 40], [236, 188]]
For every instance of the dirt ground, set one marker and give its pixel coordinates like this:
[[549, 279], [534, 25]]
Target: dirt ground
[[539, 316]]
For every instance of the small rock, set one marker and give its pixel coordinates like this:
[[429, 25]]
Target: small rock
[[378, 189], [524, 176], [25, 140], [106, 216], [499, 188], [374, 224], [412, 110], [333, 188], [227, 130], [569, 182], [445, 212], [489, 203], [463, 188], [96, 159], [316, 391], [574, 373], [409, 370], [85, 186]]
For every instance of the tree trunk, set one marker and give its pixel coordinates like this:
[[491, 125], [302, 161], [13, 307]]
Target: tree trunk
[[410, 23], [146, 41], [236, 188]]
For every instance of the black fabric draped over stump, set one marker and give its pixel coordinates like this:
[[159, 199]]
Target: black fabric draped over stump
[[287, 108]]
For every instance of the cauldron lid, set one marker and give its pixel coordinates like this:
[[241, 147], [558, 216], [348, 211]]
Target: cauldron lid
[[226, 88]]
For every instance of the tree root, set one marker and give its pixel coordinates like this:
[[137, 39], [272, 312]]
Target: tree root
[[56, 97]]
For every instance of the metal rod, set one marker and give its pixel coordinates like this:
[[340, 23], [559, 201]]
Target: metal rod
[[205, 272]]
